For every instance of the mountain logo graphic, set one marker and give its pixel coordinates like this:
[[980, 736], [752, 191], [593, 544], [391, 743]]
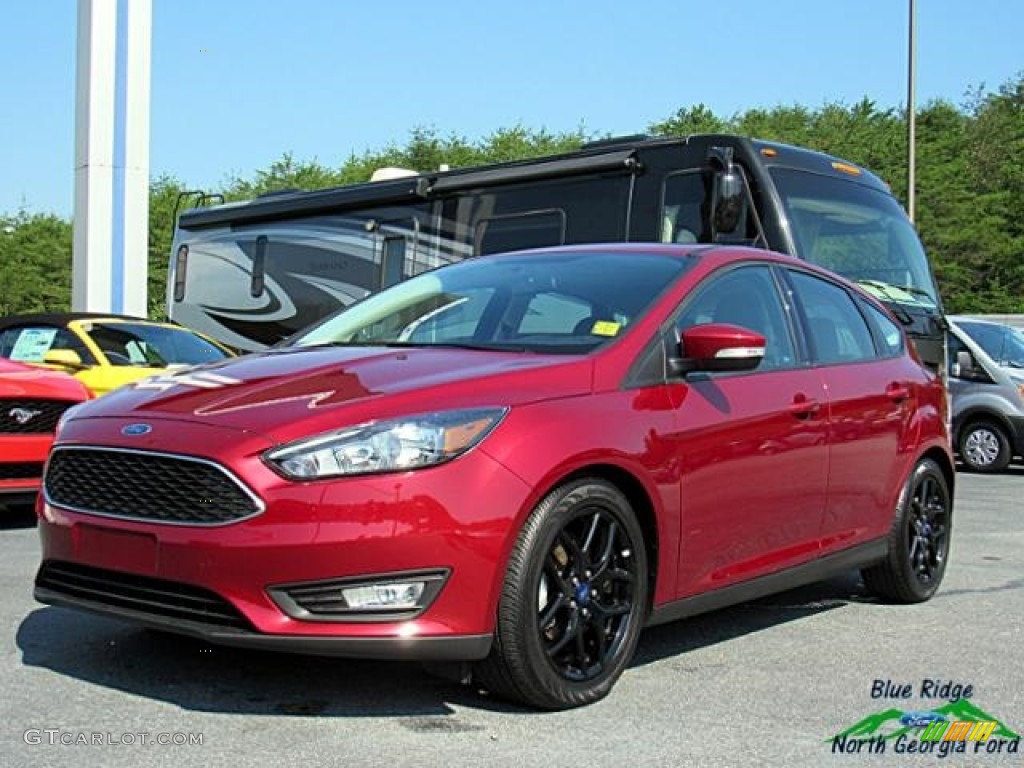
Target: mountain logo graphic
[[890, 724]]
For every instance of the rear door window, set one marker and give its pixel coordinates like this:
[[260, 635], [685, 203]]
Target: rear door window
[[838, 332]]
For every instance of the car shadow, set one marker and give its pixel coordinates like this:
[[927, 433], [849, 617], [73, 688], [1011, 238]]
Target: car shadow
[[680, 637], [17, 516], [195, 675]]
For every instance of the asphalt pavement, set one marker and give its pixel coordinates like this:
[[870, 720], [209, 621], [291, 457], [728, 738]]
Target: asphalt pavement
[[765, 683]]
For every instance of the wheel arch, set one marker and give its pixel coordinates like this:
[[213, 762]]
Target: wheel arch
[[980, 413], [941, 458], [643, 507]]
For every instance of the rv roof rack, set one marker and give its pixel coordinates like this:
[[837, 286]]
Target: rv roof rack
[[614, 141], [284, 191]]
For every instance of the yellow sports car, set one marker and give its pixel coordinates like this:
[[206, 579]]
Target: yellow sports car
[[104, 351]]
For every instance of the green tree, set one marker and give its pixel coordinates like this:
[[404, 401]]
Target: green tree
[[690, 120], [970, 187], [35, 261]]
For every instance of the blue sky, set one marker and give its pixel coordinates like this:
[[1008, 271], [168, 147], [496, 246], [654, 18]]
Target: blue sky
[[236, 83]]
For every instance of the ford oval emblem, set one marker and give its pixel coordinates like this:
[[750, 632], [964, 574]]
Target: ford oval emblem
[[136, 429]]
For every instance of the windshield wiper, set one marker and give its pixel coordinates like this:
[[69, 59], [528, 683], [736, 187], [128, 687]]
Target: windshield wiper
[[494, 347], [887, 289]]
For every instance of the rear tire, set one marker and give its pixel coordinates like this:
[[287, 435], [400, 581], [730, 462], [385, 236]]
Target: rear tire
[[984, 447], [918, 541], [573, 602]]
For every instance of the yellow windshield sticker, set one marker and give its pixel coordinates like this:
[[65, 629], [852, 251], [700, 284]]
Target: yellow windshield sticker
[[605, 328]]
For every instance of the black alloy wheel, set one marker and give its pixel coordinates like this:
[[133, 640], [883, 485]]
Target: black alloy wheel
[[574, 600], [928, 529], [586, 594], [919, 540]]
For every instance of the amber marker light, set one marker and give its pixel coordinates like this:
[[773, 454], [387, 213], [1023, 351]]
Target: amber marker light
[[853, 170]]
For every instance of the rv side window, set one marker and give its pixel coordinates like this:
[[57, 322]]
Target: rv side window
[[681, 208], [518, 231], [393, 260], [180, 267], [259, 267]]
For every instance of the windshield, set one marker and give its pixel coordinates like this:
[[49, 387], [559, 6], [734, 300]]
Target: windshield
[[151, 345], [858, 232], [557, 303], [1003, 343]]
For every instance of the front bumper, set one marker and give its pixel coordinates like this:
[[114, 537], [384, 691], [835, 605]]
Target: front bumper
[[440, 648], [22, 466], [1017, 436], [458, 518]]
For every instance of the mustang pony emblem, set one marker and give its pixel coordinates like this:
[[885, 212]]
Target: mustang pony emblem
[[23, 415]]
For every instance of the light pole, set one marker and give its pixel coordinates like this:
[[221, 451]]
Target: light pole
[[911, 115]]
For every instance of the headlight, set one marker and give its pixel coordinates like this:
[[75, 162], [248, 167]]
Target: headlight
[[386, 446]]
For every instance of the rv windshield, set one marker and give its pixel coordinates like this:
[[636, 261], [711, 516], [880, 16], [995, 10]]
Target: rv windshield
[[554, 303], [858, 232]]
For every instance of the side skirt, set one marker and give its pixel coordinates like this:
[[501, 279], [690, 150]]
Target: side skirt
[[861, 556]]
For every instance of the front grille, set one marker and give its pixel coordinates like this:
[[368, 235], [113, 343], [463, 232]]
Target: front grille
[[30, 417], [145, 486], [156, 597], [21, 470]]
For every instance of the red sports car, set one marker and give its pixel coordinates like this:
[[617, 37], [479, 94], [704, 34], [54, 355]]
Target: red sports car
[[31, 402], [517, 462]]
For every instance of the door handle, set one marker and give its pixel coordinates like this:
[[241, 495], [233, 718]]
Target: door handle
[[897, 392], [804, 407]]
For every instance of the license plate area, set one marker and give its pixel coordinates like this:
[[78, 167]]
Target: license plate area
[[116, 550]]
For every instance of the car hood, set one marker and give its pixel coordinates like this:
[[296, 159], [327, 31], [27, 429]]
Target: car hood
[[289, 393], [18, 380]]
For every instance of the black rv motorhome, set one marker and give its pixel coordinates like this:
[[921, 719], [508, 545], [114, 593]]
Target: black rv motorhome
[[250, 274]]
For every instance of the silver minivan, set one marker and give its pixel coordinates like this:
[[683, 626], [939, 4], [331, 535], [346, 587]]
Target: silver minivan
[[988, 405]]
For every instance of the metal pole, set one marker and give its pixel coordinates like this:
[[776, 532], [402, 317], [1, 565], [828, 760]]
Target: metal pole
[[94, 161], [133, 150], [911, 115]]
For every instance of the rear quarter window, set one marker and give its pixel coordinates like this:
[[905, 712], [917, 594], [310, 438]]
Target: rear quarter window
[[888, 334]]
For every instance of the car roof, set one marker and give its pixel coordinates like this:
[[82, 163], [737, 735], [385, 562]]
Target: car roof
[[715, 254], [718, 251]]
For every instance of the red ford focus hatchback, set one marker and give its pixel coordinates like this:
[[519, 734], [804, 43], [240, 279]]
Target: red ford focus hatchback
[[517, 462]]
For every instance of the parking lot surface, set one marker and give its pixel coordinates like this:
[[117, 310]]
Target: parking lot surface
[[764, 683]]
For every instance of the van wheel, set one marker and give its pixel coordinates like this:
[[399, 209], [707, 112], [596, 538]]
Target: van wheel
[[984, 447], [573, 601], [918, 541]]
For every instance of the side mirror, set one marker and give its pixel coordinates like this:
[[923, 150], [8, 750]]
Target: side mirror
[[65, 358], [728, 192], [717, 347], [964, 364]]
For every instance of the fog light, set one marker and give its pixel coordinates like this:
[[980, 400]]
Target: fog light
[[394, 597], [380, 597]]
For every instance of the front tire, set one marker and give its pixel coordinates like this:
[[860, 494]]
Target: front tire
[[984, 447], [918, 541], [573, 602]]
